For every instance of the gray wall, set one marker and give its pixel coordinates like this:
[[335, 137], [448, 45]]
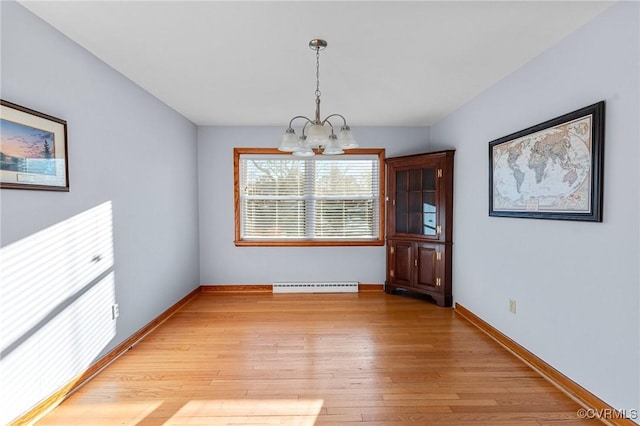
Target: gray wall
[[126, 148], [223, 263], [576, 284]]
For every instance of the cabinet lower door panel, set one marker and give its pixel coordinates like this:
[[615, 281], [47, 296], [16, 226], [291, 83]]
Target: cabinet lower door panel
[[426, 274], [403, 265]]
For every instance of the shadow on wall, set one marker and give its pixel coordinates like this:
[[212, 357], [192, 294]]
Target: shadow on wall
[[56, 296]]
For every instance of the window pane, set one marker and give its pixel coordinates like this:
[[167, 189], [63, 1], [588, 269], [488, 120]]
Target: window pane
[[274, 177], [274, 219], [415, 179], [429, 210], [429, 178], [353, 178], [344, 219]]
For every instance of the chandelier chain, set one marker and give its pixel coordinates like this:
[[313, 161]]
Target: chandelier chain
[[318, 72]]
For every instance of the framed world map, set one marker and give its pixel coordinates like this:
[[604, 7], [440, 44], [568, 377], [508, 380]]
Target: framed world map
[[553, 170]]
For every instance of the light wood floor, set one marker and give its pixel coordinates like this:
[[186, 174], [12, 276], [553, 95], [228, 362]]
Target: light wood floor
[[367, 358]]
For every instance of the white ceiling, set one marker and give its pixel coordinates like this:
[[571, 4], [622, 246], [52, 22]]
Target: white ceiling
[[392, 63]]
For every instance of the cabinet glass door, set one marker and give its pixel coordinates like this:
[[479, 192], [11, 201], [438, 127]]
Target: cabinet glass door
[[415, 198]]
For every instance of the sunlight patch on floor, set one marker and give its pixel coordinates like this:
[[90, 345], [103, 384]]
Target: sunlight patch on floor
[[242, 411]]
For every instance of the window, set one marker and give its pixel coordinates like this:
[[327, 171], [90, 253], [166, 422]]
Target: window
[[285, 200]]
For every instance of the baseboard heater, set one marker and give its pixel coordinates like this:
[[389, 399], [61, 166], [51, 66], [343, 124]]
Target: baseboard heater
[[316, 287]]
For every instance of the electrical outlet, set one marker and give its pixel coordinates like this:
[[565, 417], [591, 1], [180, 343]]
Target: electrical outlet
[[512, 306], [115, 311]]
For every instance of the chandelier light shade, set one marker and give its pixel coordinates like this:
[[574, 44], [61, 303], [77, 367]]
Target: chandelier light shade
[[317, 134]]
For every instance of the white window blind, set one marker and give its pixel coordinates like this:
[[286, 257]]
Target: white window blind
[[321, 198]]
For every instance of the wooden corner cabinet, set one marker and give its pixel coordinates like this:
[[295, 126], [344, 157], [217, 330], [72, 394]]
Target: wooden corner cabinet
[[419, 224]]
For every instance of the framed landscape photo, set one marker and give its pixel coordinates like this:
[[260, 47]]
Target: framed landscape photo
[[33, 149], [553, 170]]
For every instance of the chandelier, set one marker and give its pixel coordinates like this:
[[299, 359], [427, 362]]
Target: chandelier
[[317, 134]]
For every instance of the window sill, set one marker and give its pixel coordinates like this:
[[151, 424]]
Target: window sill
[[308, 243]]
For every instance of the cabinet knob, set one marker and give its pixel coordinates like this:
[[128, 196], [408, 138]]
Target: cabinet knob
[[415, 262]]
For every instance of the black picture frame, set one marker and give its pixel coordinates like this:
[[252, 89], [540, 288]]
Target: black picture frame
[[553, 170], [33, 149]]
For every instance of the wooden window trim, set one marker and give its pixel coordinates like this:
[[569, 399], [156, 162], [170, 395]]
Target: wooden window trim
[[380, 152]]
